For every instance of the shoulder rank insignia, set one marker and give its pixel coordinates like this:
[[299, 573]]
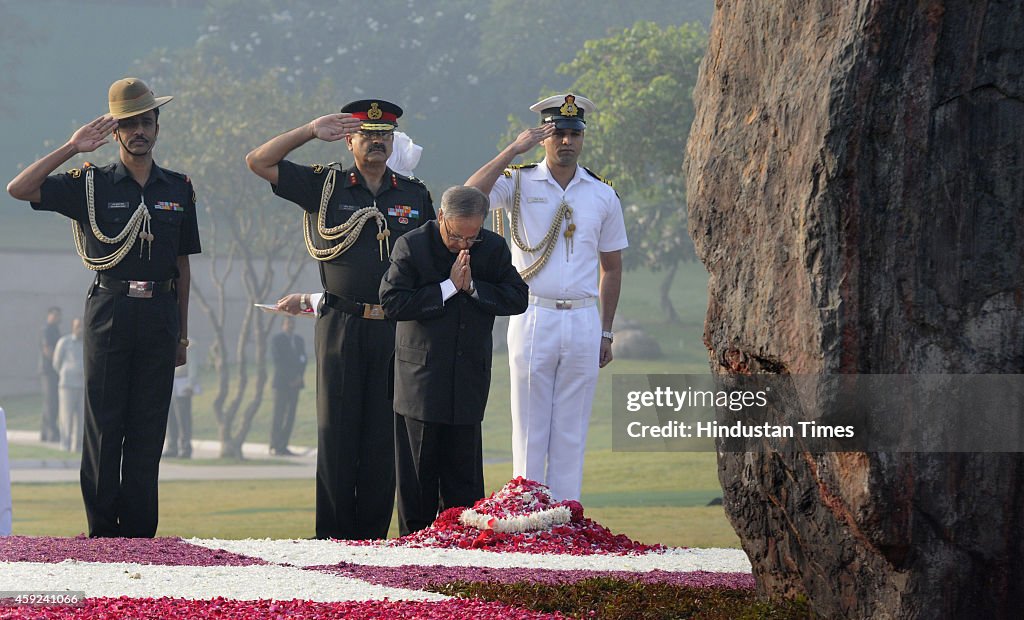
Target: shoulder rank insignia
[[598, 177], [408, 177], [511, 167], [569, 107], [318, 168], [74, 173]]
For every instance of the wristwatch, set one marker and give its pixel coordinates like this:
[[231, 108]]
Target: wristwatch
[[609, 335], [472, 288], [184, 341], [304, 303]]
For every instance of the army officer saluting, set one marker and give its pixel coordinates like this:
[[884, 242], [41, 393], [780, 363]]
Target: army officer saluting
[[134, 225]]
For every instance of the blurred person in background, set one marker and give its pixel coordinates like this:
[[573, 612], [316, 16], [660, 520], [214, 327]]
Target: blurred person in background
[[69, 363], [288, 351], [48, 337], [179, 417]]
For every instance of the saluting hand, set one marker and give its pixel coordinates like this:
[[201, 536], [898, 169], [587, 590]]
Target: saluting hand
[[532, 137], [94, 135], [334, 127]]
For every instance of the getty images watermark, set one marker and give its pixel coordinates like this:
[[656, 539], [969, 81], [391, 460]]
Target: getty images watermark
[[815, 413]]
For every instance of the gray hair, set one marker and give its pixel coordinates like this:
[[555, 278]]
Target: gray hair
[[462, 201]]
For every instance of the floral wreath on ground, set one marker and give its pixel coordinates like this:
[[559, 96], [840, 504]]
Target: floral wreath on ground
[[520, 506], [522, 517]]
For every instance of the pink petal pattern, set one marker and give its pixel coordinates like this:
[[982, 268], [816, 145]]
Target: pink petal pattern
[[163, 551], [227, 609], [522, 507], [419, 577]]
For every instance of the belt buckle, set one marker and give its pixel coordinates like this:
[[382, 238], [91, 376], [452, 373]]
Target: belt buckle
[[563, 304], [373, 311], [140, 288]]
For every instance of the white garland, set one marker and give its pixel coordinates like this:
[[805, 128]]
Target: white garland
[[539, 520]]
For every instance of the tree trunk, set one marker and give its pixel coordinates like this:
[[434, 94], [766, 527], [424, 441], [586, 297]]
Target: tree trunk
[[665, 289], [855, 176]]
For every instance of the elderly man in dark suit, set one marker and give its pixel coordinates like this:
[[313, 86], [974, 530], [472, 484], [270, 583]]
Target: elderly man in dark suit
[[447, 281]]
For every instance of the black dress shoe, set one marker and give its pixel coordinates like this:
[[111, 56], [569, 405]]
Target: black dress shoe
[[283, 452], [169, 455]]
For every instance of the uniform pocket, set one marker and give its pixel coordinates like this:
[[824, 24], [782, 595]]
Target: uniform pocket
[[114, 216], [411, 355], [168, 217], [338, 214]]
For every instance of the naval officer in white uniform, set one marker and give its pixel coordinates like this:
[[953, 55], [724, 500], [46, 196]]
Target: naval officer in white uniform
[[567, 240]]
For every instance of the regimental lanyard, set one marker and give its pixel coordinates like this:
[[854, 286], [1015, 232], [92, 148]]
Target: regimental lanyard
[[146, 234], [347, 232], [137, 226], [547, 244]]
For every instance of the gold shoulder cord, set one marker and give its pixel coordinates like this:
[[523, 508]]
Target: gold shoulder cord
[[550, 238], [498, 217], [347, 232], [138, 225]]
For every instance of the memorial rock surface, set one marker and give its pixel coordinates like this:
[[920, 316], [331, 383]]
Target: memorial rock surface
[[855, 175]]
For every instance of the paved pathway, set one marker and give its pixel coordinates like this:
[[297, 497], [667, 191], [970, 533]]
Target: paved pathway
[[261, 466]]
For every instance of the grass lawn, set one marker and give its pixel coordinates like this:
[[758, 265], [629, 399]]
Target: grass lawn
[[18, 451], [284, 508]]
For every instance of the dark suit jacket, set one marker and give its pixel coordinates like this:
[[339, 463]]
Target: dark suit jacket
[[443, 349], [289, 354]]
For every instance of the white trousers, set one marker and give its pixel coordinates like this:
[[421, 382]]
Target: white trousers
[[5, 479], [553, 358]]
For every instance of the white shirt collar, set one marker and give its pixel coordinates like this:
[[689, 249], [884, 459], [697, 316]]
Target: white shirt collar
[[580, 176]]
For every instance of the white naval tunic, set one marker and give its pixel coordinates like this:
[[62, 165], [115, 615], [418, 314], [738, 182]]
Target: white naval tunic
[[554, 354]]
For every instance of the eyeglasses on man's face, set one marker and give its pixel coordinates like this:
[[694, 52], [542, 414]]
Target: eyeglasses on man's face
[[377, 136], [452, 237]]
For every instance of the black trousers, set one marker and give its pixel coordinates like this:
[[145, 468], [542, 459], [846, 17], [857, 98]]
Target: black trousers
[[179, 427], [281, 424], [440, 466], [355, 466], [49, 429], [130, 345]]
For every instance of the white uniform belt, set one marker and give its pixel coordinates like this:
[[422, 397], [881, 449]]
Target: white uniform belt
[[563, 304]]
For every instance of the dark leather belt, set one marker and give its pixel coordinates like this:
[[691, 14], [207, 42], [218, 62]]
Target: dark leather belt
[[368, 311], [134, 288]]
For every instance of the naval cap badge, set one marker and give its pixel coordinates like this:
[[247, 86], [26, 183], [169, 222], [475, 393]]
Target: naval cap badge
[[569, 107]]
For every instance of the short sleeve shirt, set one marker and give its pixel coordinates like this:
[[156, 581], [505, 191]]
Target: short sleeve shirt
[[404, 202], [169, 198], [596, 212]]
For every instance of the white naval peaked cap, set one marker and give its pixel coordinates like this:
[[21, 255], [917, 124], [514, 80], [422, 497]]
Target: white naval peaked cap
[[566, 111]]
